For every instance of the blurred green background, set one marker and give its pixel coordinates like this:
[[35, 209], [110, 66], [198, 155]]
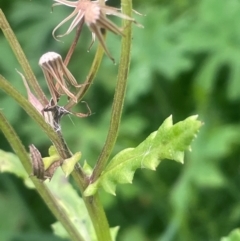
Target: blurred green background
[[185, 61]]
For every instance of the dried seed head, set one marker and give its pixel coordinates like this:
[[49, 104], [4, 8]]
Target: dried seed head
[[39, 167], [58, 77], [93, 13], [37, 162]]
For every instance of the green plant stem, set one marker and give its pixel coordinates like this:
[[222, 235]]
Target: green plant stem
[[93, 203], [119, 93], [17, 50], [91, 75], [42, 189], [95, 210], [98, 217]]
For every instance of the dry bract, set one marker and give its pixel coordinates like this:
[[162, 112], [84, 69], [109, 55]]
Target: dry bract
[[57, 76]]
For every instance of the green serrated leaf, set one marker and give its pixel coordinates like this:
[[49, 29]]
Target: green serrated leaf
[[169, 142]]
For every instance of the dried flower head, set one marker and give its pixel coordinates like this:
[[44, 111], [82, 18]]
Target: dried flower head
[[58, 77], [94, 15], [52, 113], [37, 162], [41, 170]]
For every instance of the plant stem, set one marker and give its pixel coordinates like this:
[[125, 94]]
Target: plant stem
[[93, 203], [98, 217], [17, 50], [74, 43], [119, 93], [42, 189], [91, 75]]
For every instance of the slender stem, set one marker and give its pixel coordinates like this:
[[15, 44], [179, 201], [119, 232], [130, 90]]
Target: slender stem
[[16, 48], [91, 75], [42, 189], [93, 203], [119, 93], [98, 217], [74, 43]]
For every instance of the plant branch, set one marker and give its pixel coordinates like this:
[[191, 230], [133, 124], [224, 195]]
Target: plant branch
[[17, 50], [74, 43], [42, 189], [119, 93], [91, 75], [56, 139], [98, 217], [93, 203]]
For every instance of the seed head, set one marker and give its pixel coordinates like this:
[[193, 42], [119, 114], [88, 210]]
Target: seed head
[[94, 15], [57, 76]]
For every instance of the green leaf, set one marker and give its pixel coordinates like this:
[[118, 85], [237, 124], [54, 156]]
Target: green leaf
[[69, 163], [233, 236], [169, 142], [9, 162], [87, 168], [68, 199], [65, 195]]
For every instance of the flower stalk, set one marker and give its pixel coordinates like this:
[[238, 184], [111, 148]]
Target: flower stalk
[[90, 77], [119, 94]]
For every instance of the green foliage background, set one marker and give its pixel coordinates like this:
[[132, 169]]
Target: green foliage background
[[185, 61]]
